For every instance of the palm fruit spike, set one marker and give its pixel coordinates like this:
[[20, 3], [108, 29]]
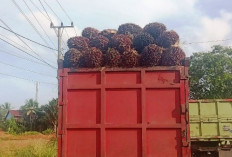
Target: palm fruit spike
[[99, 42], [93, 58], [79, 43], [90, 32], [142, 40], [173, 56], [108, 33], [151, 55], [72, 58], [155, 29], [168, 39], [129, 29], [130, 59], [112, 58], [121, 42]]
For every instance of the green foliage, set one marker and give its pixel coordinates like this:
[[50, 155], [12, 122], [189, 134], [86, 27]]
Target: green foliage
[[48, 131], [51, 113], [211, 74], [13, 127]]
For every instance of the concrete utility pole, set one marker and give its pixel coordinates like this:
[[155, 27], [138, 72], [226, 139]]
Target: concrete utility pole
[[36, 91], [60, 57]]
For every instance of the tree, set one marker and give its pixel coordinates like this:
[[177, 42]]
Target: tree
[[51, 113], [30, 112], [211, 74], [4, 109]]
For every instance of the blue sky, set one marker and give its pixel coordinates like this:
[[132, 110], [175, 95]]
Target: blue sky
[[194, 20]]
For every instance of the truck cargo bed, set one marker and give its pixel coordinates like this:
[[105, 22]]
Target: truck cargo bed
[[137, 112]]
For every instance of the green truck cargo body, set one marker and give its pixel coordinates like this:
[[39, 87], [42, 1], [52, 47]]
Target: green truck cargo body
[[211, 127], [210, 120]]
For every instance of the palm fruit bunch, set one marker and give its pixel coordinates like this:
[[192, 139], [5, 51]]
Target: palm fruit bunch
[[155, 29], [130, 59], [90, 32], [108, 33], [79, 43], [112, 58], [151, 55], [173, 56], [141, 41], [93, 58], [99, 42], [130, 30], [121, 42], [73, 58], [168, 38]]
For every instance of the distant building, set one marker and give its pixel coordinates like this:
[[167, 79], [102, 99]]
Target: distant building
[[15, 114]]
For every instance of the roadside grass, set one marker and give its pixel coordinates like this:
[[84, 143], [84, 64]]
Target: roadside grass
[[29, 145]]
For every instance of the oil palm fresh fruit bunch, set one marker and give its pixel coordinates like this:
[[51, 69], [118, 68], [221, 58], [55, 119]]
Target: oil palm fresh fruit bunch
[[168, 38], [78, 42], [90, 32], [173, 56], [93, 58], [108, 33], [120, 42], [112, 58], [129, 29], [151, 56], [130, 59], [155, 29], [73, 58], [99, 42], [141, 41]]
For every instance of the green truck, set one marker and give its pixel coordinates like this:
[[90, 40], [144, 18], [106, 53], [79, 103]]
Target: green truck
[[211, 127]]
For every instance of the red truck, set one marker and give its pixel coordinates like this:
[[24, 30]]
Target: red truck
[[118, 112]]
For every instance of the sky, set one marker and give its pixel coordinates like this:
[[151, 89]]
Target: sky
[[195, 21]]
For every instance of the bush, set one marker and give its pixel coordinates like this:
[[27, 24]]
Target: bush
[[48, 131], [13, 127]]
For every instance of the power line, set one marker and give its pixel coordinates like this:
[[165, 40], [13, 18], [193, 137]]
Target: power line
[[39, 10], [29, 21], [6, 52], [51, 22], [39, 23], [204, 42], [27, 79], [28, 38], [29, 54], [21, 68], [66, 14], [27, 45]]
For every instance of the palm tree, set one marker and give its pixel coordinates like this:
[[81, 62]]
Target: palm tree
[[51, 113], [6, 106], [30, 109]]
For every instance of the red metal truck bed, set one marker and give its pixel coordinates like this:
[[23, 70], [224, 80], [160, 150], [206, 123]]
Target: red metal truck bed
[[139, 112]]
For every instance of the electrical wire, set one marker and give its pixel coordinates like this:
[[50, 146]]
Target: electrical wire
[[39, 23], [39, 10], [27, 79], [29, 21], [27, 45], [205, 42], [27, 38], [66, 15], [21, 68], [28, 53], [51, 22], [6, 52]]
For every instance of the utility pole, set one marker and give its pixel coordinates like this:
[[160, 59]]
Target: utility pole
[[36, 91], [60, 28]]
